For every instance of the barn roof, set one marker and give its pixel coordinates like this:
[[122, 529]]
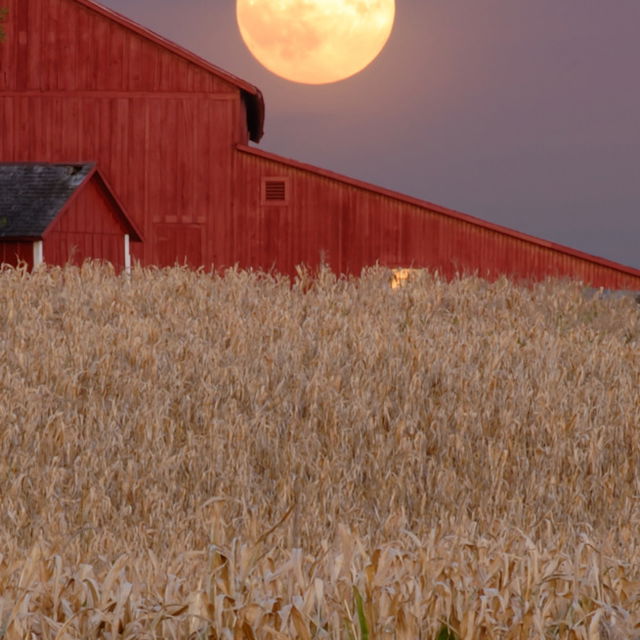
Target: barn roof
[[33, 194], [434, 208], [251, 94]]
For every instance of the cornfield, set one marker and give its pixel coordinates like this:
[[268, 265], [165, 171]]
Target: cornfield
[[186, 455]]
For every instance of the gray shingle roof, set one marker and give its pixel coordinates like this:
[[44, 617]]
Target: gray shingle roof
[[33, 194]]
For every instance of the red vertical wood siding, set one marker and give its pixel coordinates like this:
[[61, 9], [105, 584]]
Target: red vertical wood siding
[[178, 244], [90, 228], [58, 45], [13, 253], [350, 226]]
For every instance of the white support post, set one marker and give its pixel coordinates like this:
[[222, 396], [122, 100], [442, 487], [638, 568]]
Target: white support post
[[38, 254], [127, 254]]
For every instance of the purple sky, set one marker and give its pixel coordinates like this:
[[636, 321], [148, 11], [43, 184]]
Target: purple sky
[[522, 112]]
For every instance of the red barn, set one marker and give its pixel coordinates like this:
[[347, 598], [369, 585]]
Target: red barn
[[171, 133], [60, 214]]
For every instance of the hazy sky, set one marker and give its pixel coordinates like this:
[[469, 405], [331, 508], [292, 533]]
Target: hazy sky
[[522, 112]]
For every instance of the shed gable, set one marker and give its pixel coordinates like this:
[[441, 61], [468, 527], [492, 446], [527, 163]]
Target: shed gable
[[90, 228], [60, 214]]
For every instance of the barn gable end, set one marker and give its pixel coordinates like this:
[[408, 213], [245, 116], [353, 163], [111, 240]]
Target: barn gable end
[[79, 46]]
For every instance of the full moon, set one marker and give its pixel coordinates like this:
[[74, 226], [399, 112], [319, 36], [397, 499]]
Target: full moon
[[315, 41]]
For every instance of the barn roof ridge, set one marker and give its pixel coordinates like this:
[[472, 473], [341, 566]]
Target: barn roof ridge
[[252, 95], [435, 208], [34, 194]]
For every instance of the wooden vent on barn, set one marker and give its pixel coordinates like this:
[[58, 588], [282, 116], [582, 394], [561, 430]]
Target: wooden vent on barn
[[275, 191]]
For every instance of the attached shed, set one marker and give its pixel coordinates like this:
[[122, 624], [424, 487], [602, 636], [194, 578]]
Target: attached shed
[[60, 214], [297, 213]]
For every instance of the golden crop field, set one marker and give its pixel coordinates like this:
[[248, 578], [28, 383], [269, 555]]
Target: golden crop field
[[232, 457]]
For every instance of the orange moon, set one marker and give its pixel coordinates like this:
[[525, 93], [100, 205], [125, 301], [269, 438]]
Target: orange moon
[[315, 41]]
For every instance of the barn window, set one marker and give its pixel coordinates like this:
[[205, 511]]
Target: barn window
[[275, 191]]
